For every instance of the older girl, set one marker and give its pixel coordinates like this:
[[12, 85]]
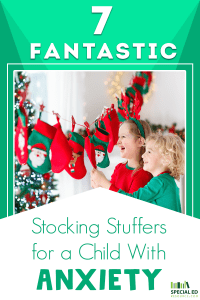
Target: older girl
[[128, 176]]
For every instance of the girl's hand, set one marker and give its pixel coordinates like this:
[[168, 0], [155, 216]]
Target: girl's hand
[[98, 179], [94, 185]]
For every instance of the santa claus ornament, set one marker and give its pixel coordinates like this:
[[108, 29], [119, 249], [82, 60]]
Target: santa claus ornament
[[39, 144], [100, 139], [99, 154], [21, 135], [76, 168]]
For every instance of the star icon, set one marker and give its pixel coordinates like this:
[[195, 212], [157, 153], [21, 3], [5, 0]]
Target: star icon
[[42, 107]]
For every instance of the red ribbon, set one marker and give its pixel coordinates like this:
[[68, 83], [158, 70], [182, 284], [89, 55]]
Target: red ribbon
[[73, 124]]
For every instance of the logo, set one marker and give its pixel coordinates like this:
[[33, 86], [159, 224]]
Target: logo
[[183, 290]]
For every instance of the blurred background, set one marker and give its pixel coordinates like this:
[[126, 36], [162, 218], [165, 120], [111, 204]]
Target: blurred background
[[84, 94]]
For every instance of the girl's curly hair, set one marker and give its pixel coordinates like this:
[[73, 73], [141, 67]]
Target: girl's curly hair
[[172, 148]]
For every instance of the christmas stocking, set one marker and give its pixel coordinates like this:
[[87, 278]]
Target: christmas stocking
[[137, 106], [100, 140], [61, 152], [138, 83], [39, 144], [89, 147], [124, 104], [148, 79], [76, 168], [111, 122], [21, 135]]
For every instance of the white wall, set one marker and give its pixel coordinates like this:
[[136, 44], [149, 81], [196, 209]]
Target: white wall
[[165, 106], [167, 103], [96, 92]]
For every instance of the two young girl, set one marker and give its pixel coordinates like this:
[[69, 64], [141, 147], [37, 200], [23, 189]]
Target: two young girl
[[163, 160]]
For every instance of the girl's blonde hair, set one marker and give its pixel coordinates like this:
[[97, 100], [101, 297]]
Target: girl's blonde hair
[[172, 148], [135, 131]]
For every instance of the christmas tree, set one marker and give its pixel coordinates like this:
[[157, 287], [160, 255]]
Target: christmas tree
[[31, 189]]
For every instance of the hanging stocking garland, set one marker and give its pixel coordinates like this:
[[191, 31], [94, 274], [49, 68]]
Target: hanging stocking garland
[[47, 140], [132, 101]]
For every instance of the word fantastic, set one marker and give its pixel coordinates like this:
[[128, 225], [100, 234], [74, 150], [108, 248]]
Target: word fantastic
[[122, 51]]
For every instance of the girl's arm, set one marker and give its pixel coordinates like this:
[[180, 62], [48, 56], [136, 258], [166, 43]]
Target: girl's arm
[[149, 192], [140, 179], [114, 178]]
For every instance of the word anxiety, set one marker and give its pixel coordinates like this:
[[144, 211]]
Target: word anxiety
[[167, 51], [111, 276]]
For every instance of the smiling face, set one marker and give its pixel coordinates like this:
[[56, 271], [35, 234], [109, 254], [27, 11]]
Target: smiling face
[[153, 160], [128, 143]]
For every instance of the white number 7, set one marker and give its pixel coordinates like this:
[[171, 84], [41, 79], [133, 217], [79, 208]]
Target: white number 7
[[105, 10]]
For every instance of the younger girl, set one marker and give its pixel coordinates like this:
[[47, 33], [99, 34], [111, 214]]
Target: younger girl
[[164, 159], [128, 176]]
